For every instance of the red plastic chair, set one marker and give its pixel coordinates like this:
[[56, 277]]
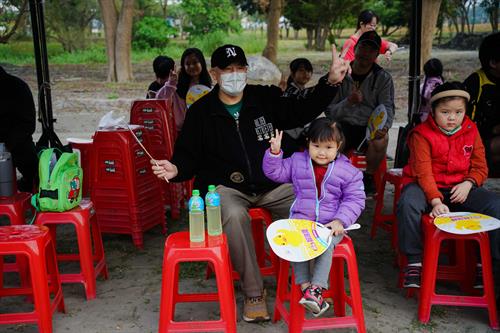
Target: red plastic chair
[[15, 207], [268, 261], [84, 146], [359, 161], [388, 222], [178, 249], [34, 243], [125, 192], [87, 232], [295, 317], [157, 117], [461, 271]]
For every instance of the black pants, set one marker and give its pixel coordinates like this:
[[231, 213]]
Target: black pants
[[412, 204], [25, 159]]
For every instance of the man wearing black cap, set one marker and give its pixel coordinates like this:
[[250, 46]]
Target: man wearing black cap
[[368, 89], [222, 142]]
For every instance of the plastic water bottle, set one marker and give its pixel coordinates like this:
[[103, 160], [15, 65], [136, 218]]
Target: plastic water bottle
[[196, 218], [6, 172], [212, 200]]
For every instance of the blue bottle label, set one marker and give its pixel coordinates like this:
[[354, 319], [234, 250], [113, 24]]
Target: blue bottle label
[[212, 199], [196, 203]]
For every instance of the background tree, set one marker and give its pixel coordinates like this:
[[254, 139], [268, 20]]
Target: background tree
[[273, 21], [118, 33], [430, 11], [492, 7], [210, 15], [12, 17], [394, 14], [319, 17], [68, 22]]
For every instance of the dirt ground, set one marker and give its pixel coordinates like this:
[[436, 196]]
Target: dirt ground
[[129, 300]]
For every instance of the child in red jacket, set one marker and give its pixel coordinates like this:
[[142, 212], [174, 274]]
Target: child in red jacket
[[446, 169]]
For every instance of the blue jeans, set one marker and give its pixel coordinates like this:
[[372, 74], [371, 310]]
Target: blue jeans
[[321, 268]]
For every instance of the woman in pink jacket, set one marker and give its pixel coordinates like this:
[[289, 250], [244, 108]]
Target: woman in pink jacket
[[328, 190], [193, 71]]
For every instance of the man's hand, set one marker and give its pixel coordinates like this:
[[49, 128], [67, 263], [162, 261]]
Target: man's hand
[[163, 169], [355, 97], [438, 208], [460, 192], [336, 227], [276, 142], [388, 55], [381, 133], [338, 68]]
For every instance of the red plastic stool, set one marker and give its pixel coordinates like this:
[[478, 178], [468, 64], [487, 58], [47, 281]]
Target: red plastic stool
[[84, 146], [177, 250], [260, 219], [87, 232], [35, 243], [388, 222], [15, 206], [432, 241], [359, 161], [295, 317]]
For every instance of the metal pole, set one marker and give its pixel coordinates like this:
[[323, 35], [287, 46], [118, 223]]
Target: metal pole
[[415, 48], [45, 115]]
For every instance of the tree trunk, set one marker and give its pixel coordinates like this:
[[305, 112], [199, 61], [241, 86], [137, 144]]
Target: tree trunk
[[430, 11], [164, 4], [473, 15], [494, 16], [321, 37], [273, 29], [118, 33], [310, 35], [123, 45], [296, 33]]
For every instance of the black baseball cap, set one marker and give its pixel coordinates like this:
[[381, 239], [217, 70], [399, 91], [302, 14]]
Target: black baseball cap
[[370, 37], [228, 54]]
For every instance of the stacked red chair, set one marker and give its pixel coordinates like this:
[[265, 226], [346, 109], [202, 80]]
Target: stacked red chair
[[294, 315], [91, 259], [157, 117], [35, 244], [462, 271], [178, 249], [84, 146], [125, 192]]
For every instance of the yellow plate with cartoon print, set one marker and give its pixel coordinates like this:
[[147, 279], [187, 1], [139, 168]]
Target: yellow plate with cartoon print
[[465, 223]]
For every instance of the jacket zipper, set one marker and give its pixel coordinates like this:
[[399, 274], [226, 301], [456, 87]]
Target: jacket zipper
[[325, 178], [244, 149]]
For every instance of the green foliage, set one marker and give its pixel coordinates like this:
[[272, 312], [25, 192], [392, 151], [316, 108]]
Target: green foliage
[[392, 13], [68, 21], [209, 42], [12, 16], [151, 32], [210, 16]]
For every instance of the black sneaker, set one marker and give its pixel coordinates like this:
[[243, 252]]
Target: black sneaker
[[369, 183], [478, 282], [412, 276]]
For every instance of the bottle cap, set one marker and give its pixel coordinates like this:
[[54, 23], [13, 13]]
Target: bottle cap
[[211, 188], [196, 192]]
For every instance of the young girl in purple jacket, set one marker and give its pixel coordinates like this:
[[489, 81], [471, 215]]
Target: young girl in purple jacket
[[328, 190]]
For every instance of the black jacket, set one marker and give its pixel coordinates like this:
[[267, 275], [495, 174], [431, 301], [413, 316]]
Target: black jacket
[[17, 111], [218, 150]]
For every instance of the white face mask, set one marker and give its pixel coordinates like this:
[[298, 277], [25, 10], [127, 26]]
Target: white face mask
[[233, 83]]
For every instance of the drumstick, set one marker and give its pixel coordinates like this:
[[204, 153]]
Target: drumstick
[[145, 150]]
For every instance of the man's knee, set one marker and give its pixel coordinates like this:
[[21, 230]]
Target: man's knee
[[233, 213]]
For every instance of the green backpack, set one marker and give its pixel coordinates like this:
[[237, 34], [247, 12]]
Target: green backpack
[[60, 182]]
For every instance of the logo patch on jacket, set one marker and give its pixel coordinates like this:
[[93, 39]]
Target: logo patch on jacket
[[263, 130], [467, 150], [237, 177]]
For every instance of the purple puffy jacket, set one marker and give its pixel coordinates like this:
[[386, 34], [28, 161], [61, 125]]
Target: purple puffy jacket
[[342, 190]]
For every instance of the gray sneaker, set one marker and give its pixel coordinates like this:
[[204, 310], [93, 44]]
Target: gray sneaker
[[255, 309]]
